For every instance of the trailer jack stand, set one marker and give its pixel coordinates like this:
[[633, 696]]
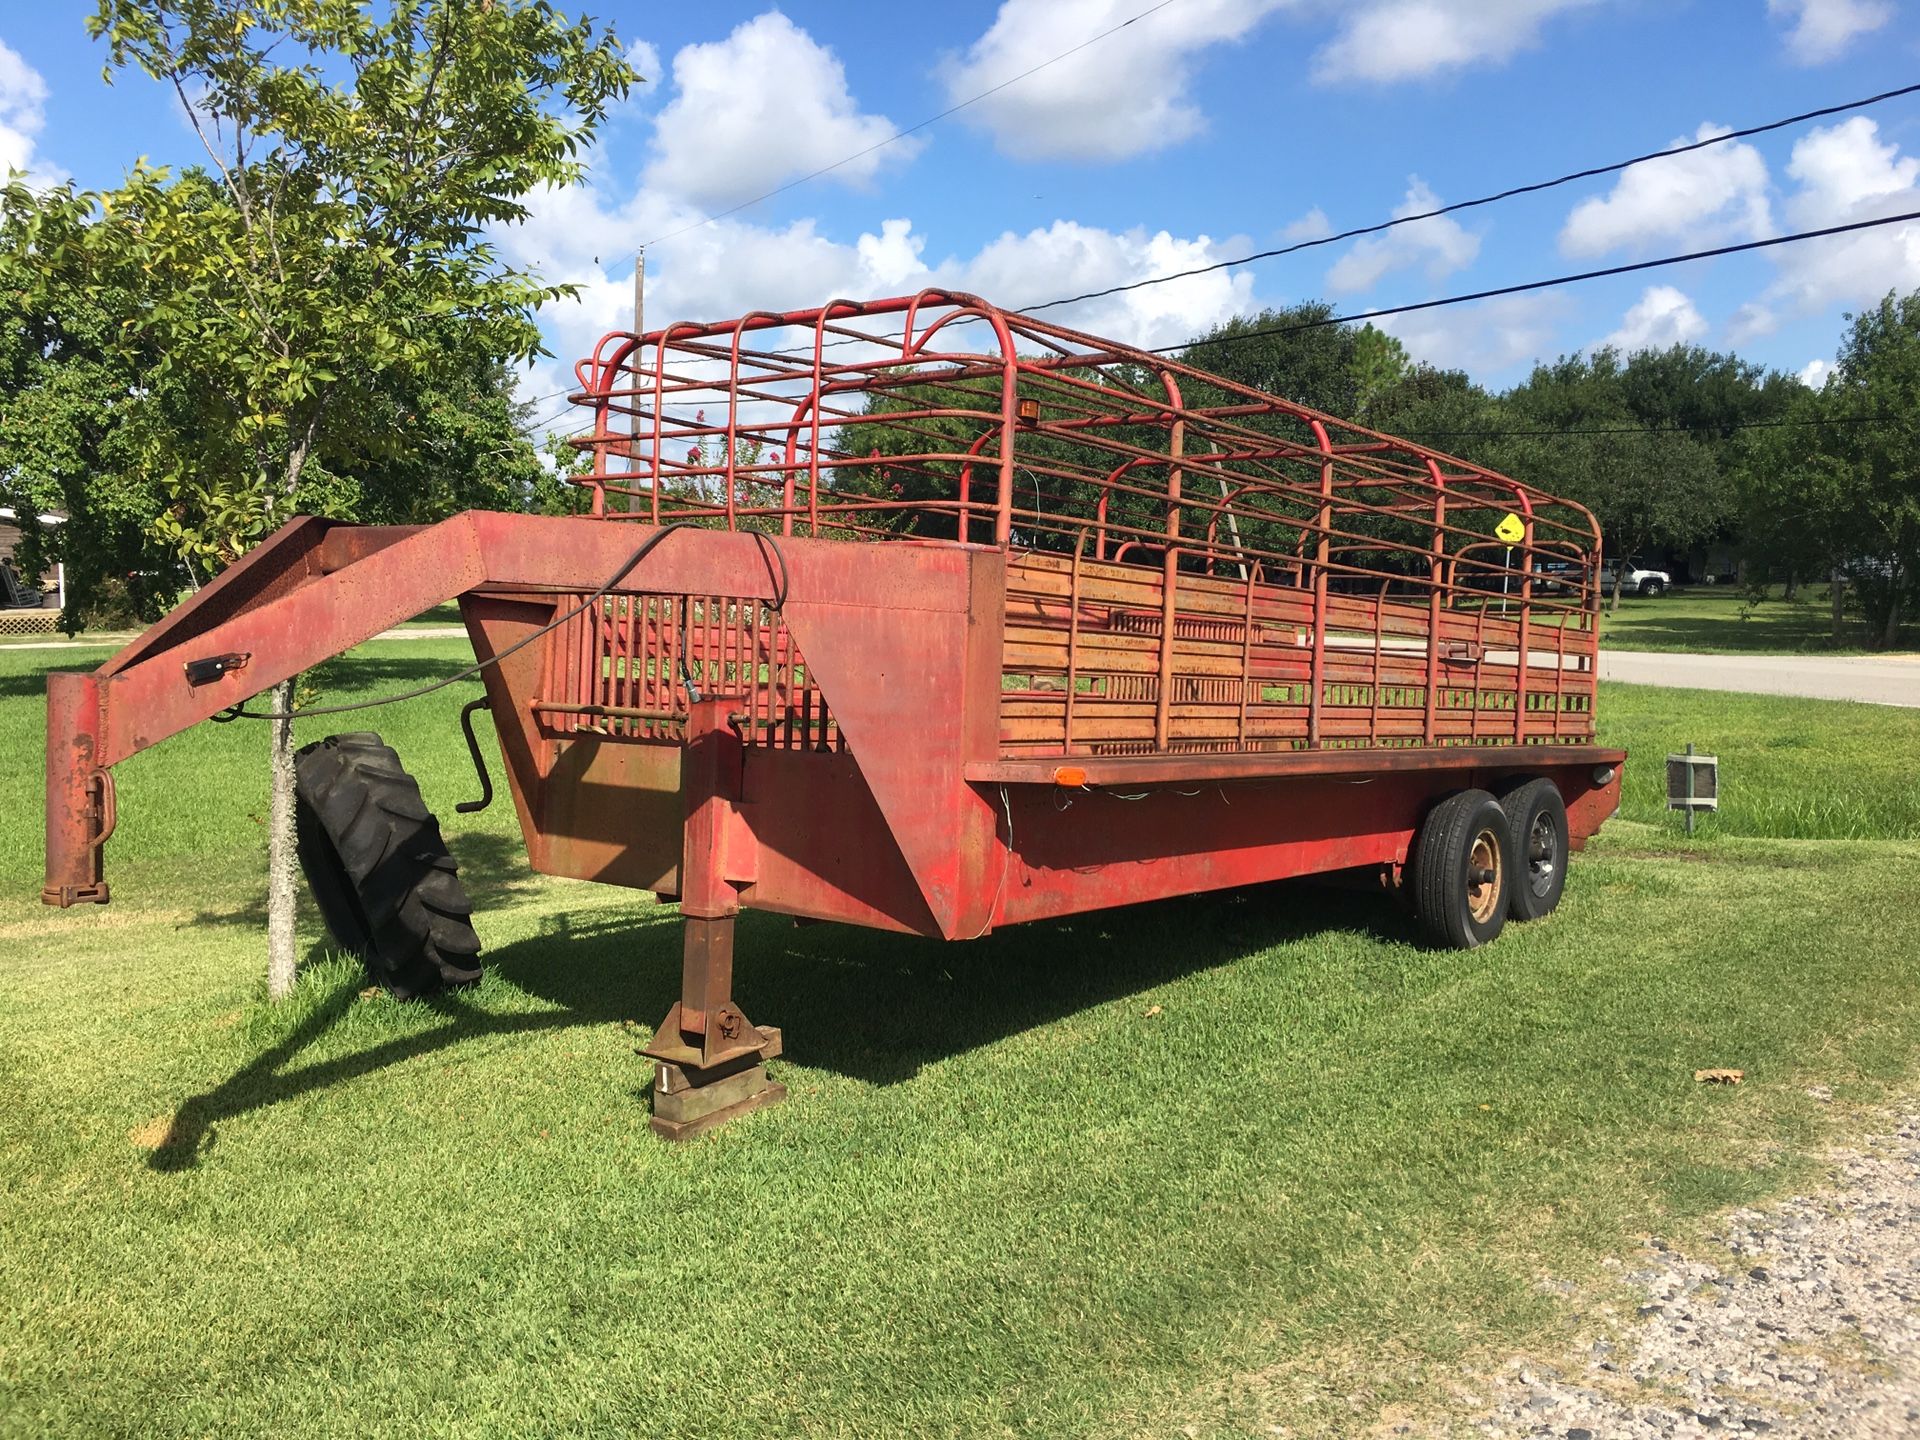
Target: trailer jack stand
[[711, 1061], [690, 1100]]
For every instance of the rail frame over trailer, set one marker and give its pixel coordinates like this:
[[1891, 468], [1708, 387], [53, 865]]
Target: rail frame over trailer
[[926, 615]]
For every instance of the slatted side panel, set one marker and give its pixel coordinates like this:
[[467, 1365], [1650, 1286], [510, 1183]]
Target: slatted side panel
[[1085, 664], [624, 668]]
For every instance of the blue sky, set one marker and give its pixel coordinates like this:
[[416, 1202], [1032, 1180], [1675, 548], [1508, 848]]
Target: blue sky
[[1207, 129]]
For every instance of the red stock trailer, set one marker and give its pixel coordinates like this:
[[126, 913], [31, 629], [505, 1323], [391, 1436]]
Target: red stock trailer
[[924, 615]]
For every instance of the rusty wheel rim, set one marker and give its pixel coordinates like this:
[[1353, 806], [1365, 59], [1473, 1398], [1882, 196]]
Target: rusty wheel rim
[[1483, 877], [1543, 854]]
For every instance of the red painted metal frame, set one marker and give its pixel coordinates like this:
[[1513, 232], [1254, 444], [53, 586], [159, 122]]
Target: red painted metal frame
[[905, 827], [1215, 640]]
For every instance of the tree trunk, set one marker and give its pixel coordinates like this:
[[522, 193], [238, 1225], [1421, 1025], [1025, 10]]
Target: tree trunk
[[1890, 637], [1839, 592], [1619, 578], [282, 851], [1793, 587], [281, 859]]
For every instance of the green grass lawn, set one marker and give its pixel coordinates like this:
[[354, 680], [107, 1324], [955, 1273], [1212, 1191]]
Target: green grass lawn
[[1221, 1163], [1721, 620]]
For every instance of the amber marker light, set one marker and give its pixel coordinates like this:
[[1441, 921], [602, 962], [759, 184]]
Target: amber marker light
[[1070, 777]]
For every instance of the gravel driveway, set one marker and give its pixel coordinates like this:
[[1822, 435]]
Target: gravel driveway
[[1801, 1320]]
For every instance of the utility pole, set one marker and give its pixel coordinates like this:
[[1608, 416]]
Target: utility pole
[[640, 293], [633, 366]]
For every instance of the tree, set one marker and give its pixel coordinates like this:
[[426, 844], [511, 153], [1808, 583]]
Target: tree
[[1646, 484], [1857, 484], [1378, 366], [332, 254], [67, 368], [1292, 353], [1794, 499]]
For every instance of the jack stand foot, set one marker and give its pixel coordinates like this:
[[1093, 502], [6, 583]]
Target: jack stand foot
[[689, 1101]]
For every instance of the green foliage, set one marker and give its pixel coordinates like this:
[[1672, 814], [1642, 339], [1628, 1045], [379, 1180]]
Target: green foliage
[[314, 319], [1878, 464], [1378, 366], [1839, 489], [323, 292], [74, 384], [1649, 479], [1313, 366]]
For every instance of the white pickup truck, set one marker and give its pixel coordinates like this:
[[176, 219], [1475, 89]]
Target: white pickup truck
[[1635, 578]]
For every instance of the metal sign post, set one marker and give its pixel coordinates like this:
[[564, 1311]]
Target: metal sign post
[[1513, 530], [1693, 783]]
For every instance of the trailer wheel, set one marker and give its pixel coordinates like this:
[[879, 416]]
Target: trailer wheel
[[1463, 871], [1538, 843], [378, 868]]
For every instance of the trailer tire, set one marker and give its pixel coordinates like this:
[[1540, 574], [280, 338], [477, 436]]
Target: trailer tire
[[1539, 844], [379, 870], [1462, 871]]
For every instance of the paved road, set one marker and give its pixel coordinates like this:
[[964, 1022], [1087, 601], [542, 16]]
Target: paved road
[[1878, 680]]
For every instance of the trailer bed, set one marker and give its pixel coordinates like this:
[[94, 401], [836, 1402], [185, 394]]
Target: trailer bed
[[928, 616]]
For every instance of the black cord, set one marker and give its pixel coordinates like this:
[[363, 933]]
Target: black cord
[[1539, 185], [1241, 336], [769, 549]]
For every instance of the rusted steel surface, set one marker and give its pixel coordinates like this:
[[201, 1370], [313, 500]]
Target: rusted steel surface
[[963, 620], [79, 793]]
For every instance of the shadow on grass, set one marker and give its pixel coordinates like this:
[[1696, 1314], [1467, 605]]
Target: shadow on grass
[[493, 867], [33, 684], [859, 1003]]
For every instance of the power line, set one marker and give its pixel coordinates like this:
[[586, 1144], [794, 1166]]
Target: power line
[[1530, 285], [1357, 233], [1367, 315], [529, 428], [1538, 186], [908, 130], [1240, 337]]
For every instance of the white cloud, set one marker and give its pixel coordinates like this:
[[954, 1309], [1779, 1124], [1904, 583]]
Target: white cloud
[[1846, 174], [1845, 167], [1124, 94], [23, 98], [764, 105], [1390, 40], [732, 266], [1313, 225], [1663, 316], [1722, 189], [1822, 29], [1485, 338], [1816, 373], [1440, 244], [1752, 321], [1067, 257], [645, 58]]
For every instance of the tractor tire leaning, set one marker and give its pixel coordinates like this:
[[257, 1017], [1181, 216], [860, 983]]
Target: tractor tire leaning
[[379, 870], [1462, 871], [1539, 844]]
